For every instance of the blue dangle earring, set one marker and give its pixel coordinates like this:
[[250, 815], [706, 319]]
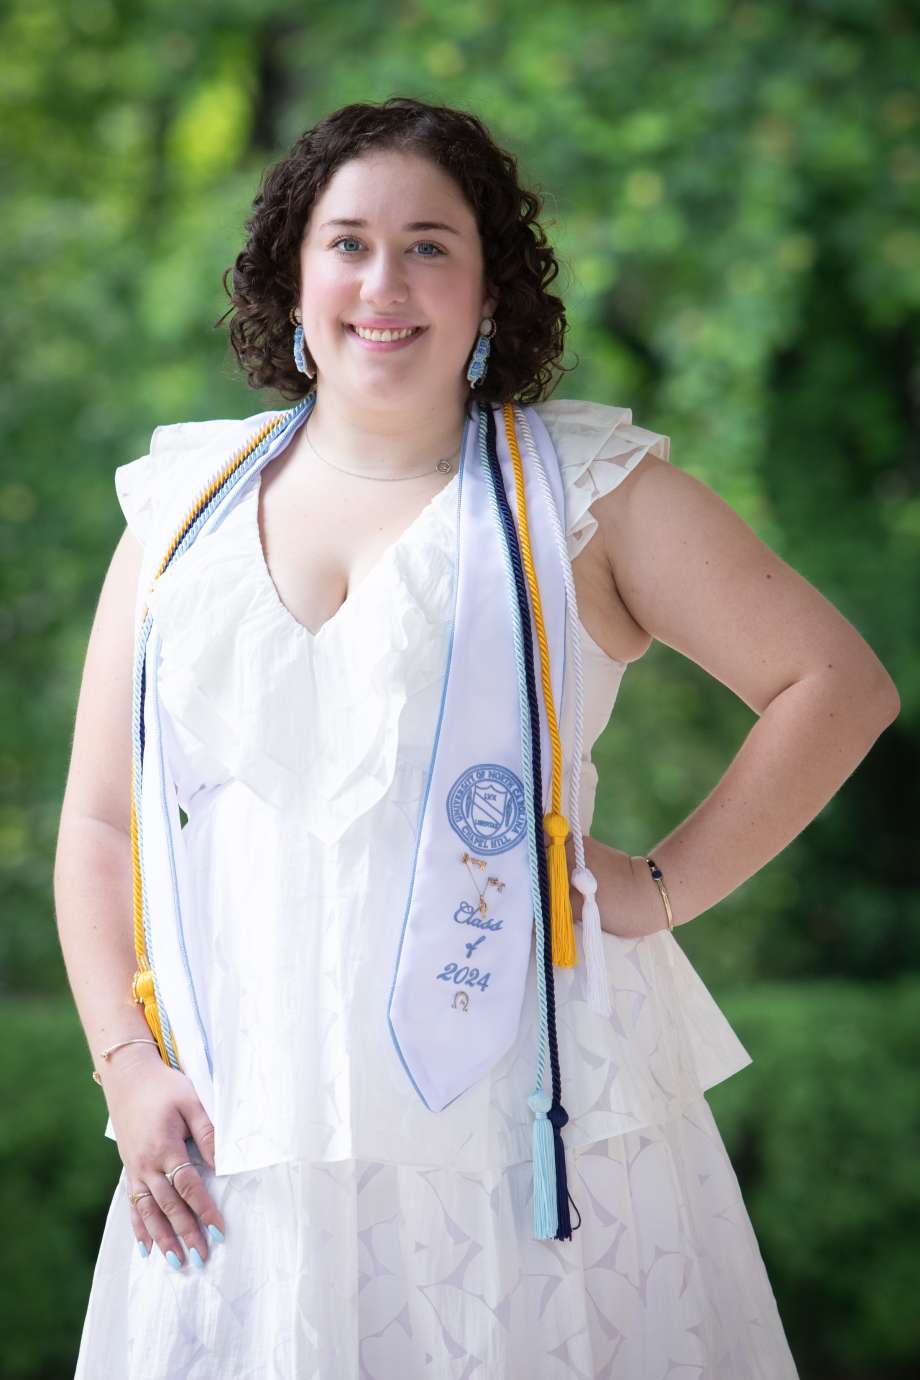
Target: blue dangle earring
[[299, 355], [476, 372]]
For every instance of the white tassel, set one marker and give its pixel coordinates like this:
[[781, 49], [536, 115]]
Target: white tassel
[[597, 987], [598, 991]]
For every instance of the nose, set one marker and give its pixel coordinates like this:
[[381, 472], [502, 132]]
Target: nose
[[384, 278]]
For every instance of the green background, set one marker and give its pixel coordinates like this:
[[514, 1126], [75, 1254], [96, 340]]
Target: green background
[[734, 190]]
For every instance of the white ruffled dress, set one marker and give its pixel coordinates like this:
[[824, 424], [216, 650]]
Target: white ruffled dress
[[368, 1237]]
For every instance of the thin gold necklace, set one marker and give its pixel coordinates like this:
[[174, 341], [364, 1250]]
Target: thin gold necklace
[[443, 466]]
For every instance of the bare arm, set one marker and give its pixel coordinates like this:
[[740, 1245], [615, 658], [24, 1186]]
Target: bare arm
[[155, 1110], [92, 868], [696, 577]]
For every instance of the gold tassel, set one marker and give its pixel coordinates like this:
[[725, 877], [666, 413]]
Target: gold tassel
[[563, 925], [143, 991]]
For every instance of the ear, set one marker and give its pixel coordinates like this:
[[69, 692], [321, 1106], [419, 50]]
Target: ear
[[491, 302]]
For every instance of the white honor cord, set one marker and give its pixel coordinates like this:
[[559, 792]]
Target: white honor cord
[[583, 879]]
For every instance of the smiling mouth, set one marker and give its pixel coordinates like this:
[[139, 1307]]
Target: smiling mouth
[[381, 336]]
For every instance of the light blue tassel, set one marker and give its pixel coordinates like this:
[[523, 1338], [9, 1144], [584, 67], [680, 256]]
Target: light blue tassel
[[545, 1213]]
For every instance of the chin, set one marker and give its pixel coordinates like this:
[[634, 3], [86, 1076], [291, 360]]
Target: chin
[[395, 387]]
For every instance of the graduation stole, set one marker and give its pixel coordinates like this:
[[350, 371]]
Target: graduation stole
[[493, 790]]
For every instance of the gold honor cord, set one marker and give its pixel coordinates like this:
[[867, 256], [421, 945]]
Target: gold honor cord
[[555, 823], [143, 987]]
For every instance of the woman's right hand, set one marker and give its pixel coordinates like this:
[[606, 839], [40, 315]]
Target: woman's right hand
[[154, 1110]]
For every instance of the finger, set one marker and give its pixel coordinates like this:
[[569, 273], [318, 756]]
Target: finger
[[202, 1132], [177, 1231], [141, 1233], [190, 1183], [178, 1205], [155, 1225]]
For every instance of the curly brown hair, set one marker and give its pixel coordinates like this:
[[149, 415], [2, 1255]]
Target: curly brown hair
[[518, 260]]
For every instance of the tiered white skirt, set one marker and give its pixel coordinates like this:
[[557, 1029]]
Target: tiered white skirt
[[359, 1270]]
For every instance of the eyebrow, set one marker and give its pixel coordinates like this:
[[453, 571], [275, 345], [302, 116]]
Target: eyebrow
[[414, 225]]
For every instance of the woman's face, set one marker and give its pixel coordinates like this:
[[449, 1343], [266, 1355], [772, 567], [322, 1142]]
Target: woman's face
[[415, 260]]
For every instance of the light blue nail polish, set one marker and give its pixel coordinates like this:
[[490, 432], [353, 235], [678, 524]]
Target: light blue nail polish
[[216, 1232], [173, 1259], [143, 1249], [193, 1252]]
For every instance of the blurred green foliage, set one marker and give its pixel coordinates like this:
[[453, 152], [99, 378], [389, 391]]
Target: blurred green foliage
[[823, 1129], [734, 189]]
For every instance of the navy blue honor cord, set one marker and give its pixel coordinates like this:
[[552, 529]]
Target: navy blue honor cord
[[557, 1114]]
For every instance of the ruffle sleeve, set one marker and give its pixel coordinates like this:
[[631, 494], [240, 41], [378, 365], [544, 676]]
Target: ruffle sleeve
[[162, 482], [597, 446], [137, 484]]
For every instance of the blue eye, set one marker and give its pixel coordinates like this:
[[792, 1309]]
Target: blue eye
[[346, 239]]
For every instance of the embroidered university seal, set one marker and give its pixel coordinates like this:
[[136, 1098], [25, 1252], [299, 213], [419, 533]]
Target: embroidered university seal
[[485, 806]]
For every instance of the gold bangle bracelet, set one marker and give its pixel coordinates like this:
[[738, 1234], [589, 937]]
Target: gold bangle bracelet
[[139, 1040], [659, 882]]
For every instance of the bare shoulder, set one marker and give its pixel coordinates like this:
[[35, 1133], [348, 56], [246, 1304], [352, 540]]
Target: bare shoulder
[[695, 576]]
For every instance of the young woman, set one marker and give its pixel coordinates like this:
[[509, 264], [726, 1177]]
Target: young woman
[[392, 1099]]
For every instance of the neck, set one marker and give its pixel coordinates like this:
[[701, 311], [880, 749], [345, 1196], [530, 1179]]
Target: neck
[[363, 435]]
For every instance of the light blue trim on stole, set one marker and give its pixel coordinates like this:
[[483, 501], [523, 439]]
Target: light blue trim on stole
[[147, 918], [239, 480], [468, 427], [177, 903]]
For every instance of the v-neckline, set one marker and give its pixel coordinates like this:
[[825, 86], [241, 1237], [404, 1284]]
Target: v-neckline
[[301, 629]]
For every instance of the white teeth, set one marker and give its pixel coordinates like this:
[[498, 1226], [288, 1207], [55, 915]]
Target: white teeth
[[385, 335]]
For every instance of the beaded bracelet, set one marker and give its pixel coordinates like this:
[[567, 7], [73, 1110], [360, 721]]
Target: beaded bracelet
[[659, 882]]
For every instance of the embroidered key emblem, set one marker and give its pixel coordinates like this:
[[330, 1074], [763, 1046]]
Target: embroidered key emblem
[[499, 885]]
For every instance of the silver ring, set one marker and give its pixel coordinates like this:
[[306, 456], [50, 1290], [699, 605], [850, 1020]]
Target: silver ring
[[171, 1173]]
